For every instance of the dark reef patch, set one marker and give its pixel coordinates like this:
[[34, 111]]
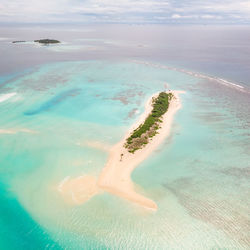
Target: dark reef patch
[[132, 113], [53, 102], [237, 172], [208, 208], [44, 82], [125, 96]]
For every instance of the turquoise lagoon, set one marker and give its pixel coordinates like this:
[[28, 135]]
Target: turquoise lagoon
[[61, 121]]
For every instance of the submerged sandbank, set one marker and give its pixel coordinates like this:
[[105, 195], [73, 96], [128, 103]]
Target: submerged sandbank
[[17, 130], [5, 97], [116, 175]]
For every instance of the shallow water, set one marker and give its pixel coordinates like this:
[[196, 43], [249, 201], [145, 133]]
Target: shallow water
[[62, 120]]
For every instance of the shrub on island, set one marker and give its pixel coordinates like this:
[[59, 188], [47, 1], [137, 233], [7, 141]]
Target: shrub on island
[[46, 41], [140, 136]]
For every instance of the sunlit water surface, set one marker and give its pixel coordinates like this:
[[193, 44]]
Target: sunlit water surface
[[58, 118]]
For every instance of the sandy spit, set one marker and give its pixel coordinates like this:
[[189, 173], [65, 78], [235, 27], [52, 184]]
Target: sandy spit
[[115, 176]]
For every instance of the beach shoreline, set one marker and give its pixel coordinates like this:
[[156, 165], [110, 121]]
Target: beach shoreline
[[115, 177]]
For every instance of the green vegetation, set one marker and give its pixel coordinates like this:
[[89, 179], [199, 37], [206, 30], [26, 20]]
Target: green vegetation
[[140, 136], [46, 41]]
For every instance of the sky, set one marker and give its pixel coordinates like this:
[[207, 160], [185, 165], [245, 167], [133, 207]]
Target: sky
[[126, 11]]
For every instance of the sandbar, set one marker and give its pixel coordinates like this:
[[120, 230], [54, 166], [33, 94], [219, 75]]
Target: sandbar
[[115, 177]]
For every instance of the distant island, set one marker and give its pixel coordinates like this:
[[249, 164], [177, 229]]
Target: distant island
[[18, 41], [46, 41], [42, 41]]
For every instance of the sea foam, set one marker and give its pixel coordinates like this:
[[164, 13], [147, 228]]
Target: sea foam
[[5, 97]]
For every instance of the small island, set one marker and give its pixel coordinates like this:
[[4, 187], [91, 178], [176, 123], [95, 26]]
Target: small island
[[142, 139], [140, 136], [18, 41], [46, 41]]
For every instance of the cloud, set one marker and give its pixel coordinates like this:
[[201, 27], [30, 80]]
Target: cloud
[[176, 16], [130, 11]]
